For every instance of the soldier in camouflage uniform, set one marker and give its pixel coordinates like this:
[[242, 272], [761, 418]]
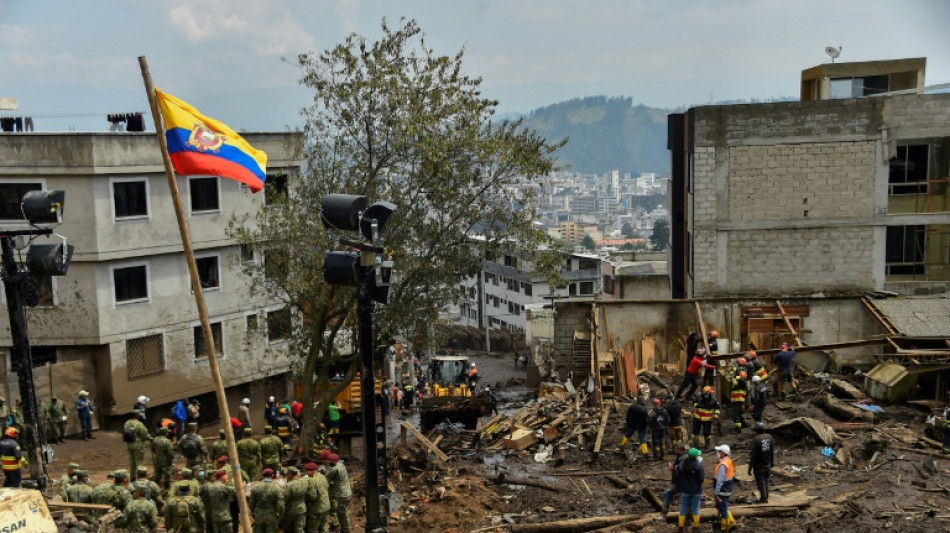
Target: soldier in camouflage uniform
[[5, 419], [272, 450], [318, 503], [60, 414], [81, 492], [201, 454], [116, 493], [184, 512], [68, 479], [187, 478], [153, 492], [267, 504], [296, 493], [340, 490], [220, 446], [219, 494], [140, 516], [249, 454], [162, 455], [135, 428]]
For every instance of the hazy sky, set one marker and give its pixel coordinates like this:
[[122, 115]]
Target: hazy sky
[[71, 62]]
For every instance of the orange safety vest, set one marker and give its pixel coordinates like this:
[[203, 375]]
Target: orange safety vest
[[473, 372], [283, 431], [8, 458], [762, 373], [726, 489]]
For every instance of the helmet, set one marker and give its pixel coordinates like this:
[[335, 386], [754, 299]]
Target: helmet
[[271, 399], [742, 361], [143, 399], [759, 427], [756, 379], [473, 364], [752, 354], [282, 411], [714, 334], [246, 401], [707, 389], [656, 401], [11, 431], [724, 448], [701, 351], [694, 453]]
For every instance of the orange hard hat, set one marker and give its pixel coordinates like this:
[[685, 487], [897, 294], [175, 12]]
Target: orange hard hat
[[11, 431], [752, 354], [708, 389], [742, 361], [713, 333]]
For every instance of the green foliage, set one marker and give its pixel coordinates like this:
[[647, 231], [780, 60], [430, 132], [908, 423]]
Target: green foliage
[[395, 121], [605, 133], [661, 234], [588, 242], [627, 231]]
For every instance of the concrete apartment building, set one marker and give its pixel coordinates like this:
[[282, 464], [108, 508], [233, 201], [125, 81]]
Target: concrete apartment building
[[123, 322], [793, 220]]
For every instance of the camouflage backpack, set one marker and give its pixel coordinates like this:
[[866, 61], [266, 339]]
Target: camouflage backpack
[[181, 511]]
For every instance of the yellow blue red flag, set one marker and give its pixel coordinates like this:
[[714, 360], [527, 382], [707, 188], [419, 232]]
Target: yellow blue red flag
[[202, 145]]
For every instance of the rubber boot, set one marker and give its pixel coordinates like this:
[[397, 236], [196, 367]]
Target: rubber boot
[[623, 442], [696, 524], [644, 449], [730, 521], [705, 443], [682, 523]]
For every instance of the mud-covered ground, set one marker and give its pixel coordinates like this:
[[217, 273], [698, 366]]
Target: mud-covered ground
[[900, 491]]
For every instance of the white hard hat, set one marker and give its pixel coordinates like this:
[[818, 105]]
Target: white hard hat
[[143, 399], [473, 364], [83, 393], [724, 448], [271, 399], [246, 401], [756, 379]]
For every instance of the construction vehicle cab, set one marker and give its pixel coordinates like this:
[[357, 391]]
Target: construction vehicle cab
[[448, 375]]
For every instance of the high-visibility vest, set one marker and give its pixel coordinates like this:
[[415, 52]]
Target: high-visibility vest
[[705, 413], [737, 395], [762, 373], [8, 453], [726, 489], [283, 431]]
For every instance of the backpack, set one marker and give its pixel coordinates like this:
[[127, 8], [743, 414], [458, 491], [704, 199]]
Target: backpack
[[127, 434], [181, 512], [189, 446]]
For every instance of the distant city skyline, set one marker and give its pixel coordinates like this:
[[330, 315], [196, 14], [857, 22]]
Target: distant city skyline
[[71, 63]]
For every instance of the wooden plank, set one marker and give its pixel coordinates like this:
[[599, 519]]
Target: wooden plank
[[764, 311], [630, 371], [425, 442], [648, 353], [881, 319], [85, 506], [603, 425], [798, 340], [808, 348]]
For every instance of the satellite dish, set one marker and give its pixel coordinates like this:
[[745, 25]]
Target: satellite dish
[[833, 52]]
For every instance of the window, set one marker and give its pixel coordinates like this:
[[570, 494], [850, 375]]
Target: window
[[44, 289], [247, 253], [204, 194], [275, 188], [278, 325], [11, 194], [130, 283], [527, 288], [908, 171], [572, 289], [208, 272], [250, 322], [511, 261], [512, 285], [587, 287], [511, 308], [130, 199], [200, 351], [43, 355], [905, 250], [145, 355], [858, 87]]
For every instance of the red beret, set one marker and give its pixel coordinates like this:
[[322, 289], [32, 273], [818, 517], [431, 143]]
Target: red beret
[[334, 458], [220, 473], [325, 455], [267, 472], [223, 459], [310, 467]]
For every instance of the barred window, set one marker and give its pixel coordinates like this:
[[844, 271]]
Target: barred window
[[145, 355]]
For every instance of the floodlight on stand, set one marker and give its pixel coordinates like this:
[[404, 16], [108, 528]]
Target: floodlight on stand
[[374, 219], [49, 259], [342, 211], [341, 268], [43, 207]]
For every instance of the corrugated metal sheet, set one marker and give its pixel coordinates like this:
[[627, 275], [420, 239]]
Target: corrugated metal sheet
[[917, 316]]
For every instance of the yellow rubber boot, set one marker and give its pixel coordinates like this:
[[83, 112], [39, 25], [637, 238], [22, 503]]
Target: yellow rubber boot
[[695, 523], [644, 449], [682, 522], [623, 442], [730, 522]]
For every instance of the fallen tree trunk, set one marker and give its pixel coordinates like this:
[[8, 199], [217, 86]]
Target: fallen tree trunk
[[575, 525], [649, 496], [620, 483], [843, 411], [741, 512]]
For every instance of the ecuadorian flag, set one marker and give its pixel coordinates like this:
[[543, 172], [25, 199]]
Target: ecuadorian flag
[[202, 145]]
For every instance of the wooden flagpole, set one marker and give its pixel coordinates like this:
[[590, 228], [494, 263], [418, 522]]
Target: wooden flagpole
[[199, 301]]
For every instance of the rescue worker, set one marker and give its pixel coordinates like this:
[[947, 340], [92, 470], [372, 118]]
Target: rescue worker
[[675, 429], [340, 490], [220, 495], [272, 450], [725, 476], [116, 493], [162, 455], [785, 362], [658, 421], [84, 409], [284, 425], [134, 433], [709, 377], [46, 421], [320, 439], [690, 378], [760, 397], [756, 366], [184, 512], [60, 415], [67, 480], [80, 492], [737, 397], [140, 404], [5, 419], [140, 515], [220, 446], [472, 376], [266, 504], [152, 491], [689, 481], [637, 423], [244, 412], [761, 460], [319, 505], [11, 458], [680, 455], [705, 410], [270, 411], [249, 454], [333, 415], [192, 447], [296, 492]]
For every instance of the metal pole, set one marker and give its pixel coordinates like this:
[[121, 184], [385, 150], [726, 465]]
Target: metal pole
[[364, 311], [31, 439]]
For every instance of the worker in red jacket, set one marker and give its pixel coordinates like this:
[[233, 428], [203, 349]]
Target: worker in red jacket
[[692, 371]]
